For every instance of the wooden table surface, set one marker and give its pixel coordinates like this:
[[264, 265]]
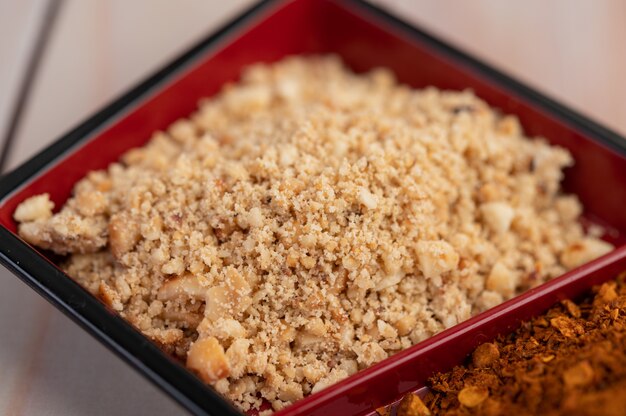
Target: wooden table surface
[[574, 50]]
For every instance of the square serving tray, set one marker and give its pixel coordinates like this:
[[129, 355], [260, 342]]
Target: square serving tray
[[364, 37]]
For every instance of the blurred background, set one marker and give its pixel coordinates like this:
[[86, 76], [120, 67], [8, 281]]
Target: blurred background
[[93, 50]]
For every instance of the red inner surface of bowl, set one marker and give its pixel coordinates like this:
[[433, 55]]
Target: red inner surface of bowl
[[363, 41]]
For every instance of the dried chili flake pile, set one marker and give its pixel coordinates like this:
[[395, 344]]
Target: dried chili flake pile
[[572, 360]]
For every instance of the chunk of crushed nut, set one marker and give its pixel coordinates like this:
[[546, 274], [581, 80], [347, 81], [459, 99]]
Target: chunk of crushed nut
[[207, 358], [38, 207]]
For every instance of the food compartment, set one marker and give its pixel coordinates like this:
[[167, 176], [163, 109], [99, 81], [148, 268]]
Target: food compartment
[[364, 38]]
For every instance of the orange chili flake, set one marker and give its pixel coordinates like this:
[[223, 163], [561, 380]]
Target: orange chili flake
[[571, 360]]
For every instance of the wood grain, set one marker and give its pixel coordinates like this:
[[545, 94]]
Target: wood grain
[[572, 50]]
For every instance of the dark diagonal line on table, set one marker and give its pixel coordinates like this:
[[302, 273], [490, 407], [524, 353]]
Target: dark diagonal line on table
[[34, 61]]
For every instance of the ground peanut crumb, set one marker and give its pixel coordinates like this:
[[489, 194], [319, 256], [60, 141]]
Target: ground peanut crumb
[[307, 222]]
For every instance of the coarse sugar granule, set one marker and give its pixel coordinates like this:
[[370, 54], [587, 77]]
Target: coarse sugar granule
[[307, 222]]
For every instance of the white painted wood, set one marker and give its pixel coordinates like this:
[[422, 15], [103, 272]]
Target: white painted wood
[[572, 50], [101, 48]]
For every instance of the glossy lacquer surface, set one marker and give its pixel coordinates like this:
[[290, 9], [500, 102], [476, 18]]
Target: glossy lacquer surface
[[365, 38]]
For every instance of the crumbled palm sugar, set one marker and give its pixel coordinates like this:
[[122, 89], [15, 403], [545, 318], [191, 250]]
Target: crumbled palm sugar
[[570, 361], [307, 222]]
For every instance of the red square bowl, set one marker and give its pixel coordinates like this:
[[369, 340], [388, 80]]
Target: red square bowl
[[364, 37]]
